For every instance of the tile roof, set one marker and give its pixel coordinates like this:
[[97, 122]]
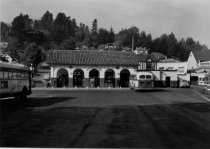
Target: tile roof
[[103, 58], [202, 55]]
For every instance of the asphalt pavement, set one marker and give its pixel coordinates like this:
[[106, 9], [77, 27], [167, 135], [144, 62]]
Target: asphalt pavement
[[164, 118]]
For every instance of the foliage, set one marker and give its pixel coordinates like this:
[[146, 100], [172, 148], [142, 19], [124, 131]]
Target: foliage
[[29, 38], [68, 44], [4, 32], [33, 54]]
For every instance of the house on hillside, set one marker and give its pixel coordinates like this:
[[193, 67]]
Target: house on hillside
[[141, 51], [108, 47]]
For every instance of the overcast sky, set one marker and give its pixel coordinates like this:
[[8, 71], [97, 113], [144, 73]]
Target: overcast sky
[[186, 18]]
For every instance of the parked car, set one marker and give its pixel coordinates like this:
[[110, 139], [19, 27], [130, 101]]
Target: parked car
[[184, 84]]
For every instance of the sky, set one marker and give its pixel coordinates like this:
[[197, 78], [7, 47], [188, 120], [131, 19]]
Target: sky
[[185, 18]]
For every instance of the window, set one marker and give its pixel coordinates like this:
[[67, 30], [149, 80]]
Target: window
[[14, 75], [22, 74], [149, 66], [6, 74], [161, 68], [1, 74], [181, 69], [142, 76], [170, 68], [148, 76], [10, 75], [141, 82], [17, 75]]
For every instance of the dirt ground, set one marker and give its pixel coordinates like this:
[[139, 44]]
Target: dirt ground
[[171, 118]]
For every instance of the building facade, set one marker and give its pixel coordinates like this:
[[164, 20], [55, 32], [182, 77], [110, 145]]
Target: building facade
[[91, 68], [198, 62], [82, 68]]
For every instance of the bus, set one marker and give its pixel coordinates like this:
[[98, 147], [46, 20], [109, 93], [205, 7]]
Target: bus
[[15, 80], [142, 81]]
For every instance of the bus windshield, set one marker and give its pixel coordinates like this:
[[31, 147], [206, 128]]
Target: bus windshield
[[142, 76], [148, 77]]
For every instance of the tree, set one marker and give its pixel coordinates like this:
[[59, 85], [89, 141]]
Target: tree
[[18, 26], [63, 28], [94, 27], [111, 35], [4, 32], [128, 37], [37, 24], [33, 54], [172, 43], [102, 36], [94, 33], [47, 21], [144, 40], [27, 21], [69, 44]]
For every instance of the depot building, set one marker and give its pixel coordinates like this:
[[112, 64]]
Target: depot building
[[86, 68]]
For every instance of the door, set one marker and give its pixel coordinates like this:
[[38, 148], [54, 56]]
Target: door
[[168, 81]]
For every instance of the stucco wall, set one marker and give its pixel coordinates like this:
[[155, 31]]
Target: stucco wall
[[87, 69], [161, 75], [191, 62], [175, 65]]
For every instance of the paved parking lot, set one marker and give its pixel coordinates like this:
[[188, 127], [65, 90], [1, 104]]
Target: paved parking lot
[[169, 118]]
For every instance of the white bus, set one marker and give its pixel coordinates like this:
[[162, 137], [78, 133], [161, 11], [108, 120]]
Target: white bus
[[15, 80], [142, 81]]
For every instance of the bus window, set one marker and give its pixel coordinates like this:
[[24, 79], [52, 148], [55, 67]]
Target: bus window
[[141, 82], [1, 74], [148, 76], [26, 75], [14, 75], [6, 74], [10, 74], [142, 77], [22, 74], [18, 75]]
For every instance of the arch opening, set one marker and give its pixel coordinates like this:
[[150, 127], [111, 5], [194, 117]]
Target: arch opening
[[94, 78], [78, 78], [62, 79], [124, 78], [109, 80]]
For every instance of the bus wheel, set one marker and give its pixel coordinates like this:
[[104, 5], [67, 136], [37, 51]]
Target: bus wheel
[[23, 95]]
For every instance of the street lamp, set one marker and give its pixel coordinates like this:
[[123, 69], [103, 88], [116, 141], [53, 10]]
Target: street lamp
[[31, 69]]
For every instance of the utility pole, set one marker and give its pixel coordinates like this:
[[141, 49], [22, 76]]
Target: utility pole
[[133, 42]]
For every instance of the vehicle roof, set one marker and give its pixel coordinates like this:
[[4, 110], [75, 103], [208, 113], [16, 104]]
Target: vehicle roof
[[144, 73]]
